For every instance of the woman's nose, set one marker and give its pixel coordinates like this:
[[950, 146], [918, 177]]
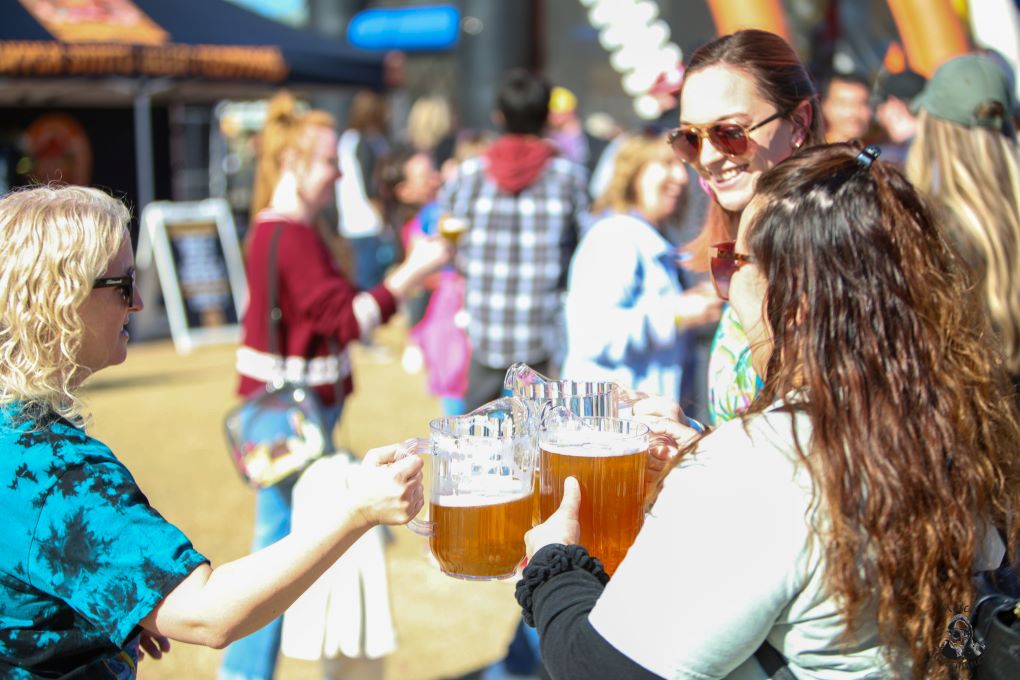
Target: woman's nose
[[708, 154]]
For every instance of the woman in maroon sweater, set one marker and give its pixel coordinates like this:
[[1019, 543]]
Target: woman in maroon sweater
[[321, 311]]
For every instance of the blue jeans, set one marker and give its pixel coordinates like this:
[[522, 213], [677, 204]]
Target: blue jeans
[[254, 657]]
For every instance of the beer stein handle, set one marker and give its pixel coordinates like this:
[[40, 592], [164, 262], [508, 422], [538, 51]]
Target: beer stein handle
[[519, 375], [418, 447], [628, 398]]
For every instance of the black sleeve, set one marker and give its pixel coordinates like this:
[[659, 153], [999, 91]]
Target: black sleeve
[[571, 647]]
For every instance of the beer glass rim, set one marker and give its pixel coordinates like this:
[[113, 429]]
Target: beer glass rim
[[631, 429]]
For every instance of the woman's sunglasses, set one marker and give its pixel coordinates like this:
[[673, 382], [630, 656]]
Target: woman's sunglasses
[[724, 263], [126, 284], [730, 139]]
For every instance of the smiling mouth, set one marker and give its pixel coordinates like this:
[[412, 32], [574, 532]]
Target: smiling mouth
[[728, 174]]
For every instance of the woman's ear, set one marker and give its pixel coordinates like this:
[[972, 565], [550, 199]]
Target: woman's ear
[[802, 117]]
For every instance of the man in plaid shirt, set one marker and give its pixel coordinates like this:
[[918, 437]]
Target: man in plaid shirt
[[522, 204]]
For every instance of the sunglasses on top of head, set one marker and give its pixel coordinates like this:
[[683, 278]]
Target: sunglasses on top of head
[[125, 283], [730, 139], [724, 263]]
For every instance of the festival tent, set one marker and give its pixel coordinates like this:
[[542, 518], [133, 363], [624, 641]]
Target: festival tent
[[138, 55]]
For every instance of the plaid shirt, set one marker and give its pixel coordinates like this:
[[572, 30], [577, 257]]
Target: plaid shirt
[[515, 256]]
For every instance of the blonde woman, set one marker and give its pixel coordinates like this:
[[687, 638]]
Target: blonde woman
[[91, 576], [625, 308], [965, 157]]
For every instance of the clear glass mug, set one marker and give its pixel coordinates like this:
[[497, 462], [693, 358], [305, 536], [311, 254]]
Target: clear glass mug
[[583, 398], [482, 489], [609, 458], [597, 398]]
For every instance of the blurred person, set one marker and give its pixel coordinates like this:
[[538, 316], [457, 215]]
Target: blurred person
[[93, 577], [846, 107], [321, 311], [626, 311], [429, 122], [965, 157], [869, 342], [359, 148], [408, 185], [893, 94], [522, 203], [746, 103], [566, 131]]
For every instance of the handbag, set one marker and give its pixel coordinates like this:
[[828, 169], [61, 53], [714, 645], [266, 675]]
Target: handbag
[[277, 433], [989, 638]]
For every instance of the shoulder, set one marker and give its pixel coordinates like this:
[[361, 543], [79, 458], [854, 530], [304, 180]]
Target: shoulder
[[565, 166], [754, 457]]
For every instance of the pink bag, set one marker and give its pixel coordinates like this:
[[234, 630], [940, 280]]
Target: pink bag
[[444, 345]]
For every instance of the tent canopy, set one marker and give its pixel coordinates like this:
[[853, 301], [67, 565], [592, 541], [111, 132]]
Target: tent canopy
[[58, 51]]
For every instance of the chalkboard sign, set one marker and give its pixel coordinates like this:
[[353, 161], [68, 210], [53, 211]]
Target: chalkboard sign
[[198, 259]]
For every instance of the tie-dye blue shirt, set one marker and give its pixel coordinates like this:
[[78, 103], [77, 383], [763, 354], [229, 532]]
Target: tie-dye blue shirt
[[83, 556]]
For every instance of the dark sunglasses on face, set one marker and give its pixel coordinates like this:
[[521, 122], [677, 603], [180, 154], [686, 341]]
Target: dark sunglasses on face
[[724, 263], [125, 283], [730, 139]]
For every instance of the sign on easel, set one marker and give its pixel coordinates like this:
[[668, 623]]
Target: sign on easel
[[198, 259]]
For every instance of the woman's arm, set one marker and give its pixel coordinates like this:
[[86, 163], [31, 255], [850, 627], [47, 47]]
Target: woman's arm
[[558, 588], [214, 607]]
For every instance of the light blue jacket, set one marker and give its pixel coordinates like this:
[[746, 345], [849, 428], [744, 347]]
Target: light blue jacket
[[621, 308]]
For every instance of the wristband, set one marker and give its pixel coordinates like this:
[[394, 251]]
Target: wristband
[[548, 562]]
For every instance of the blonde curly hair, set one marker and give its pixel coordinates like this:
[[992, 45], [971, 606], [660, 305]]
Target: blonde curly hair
[[57, 241]]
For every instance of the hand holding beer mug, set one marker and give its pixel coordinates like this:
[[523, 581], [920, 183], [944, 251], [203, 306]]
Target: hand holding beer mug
[[481, 499]]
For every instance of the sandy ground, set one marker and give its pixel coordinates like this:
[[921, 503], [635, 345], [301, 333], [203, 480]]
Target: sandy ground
[[162, 415]]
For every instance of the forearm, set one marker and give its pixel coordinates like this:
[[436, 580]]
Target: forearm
[[214, 607], [571, 647]]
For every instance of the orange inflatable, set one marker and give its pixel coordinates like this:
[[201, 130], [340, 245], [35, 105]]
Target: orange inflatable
[[733, 15], [931, 31]]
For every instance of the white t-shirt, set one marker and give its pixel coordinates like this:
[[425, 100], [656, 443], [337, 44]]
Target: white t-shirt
[[725, 561]]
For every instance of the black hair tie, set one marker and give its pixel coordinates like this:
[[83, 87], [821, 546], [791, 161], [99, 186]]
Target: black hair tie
[[548, 562], [868, 155]]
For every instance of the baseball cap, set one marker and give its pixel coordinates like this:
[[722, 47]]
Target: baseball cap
[[562, 100], [960, 86]]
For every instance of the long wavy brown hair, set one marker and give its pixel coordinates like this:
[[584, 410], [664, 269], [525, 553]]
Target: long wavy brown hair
[[781, 79], [914, 436]]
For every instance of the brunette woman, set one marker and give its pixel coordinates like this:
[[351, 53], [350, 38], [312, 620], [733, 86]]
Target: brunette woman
[[840, 518]]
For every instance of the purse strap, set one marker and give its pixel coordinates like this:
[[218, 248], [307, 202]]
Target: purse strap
[[275, 313]]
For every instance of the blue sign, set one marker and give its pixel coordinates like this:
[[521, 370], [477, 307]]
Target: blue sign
[[410, 29]]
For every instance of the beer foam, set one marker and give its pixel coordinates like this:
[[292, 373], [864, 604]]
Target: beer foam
[[473, 499], [592, 443]]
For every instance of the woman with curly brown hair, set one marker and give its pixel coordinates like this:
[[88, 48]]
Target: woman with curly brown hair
[[840, 518]]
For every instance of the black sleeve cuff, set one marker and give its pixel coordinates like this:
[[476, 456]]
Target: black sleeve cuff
[[548, 562]]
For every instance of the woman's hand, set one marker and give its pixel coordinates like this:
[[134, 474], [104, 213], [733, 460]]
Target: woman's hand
[[562, 526], [152, 644], [667, 439], [697, 306], [427, 255], [388, 490]]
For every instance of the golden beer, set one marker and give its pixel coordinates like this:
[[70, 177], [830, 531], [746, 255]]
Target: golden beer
[[480, 536], [612, 479], [452, 228]]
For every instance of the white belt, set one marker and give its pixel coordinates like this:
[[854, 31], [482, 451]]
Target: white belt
[[267, 368]]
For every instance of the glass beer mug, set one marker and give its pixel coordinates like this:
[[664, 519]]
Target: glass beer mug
[[482, 491], [583, 398], [608, 457]]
